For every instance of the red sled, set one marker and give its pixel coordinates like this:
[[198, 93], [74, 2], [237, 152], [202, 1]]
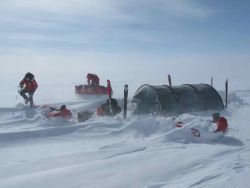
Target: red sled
[[91, 90]]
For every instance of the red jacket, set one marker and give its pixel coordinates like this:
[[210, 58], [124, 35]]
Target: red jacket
[[65, 113], [221, 125], [109, 89], [30, 86]]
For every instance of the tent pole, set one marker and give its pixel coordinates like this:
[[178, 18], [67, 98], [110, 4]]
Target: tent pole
[[226, 87], [169, 80], [125, 101], [212, 81]]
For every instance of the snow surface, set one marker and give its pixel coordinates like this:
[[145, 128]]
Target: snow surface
[[138, 152]]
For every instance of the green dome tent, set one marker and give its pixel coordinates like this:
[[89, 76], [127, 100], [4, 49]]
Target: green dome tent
[[175, 100]]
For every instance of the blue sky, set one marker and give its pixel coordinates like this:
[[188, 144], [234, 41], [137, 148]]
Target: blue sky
[[190, 39], [157, 26]]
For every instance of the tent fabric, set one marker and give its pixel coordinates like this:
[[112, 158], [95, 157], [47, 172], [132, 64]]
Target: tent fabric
[[174, 100]]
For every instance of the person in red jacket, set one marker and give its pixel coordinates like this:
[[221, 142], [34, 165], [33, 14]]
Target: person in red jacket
[[110, 108], [28, 85], [221, 123], [109, 89], [93, 79], [62, 112]]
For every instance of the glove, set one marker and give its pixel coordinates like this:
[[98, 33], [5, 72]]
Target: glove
[[20, 88]]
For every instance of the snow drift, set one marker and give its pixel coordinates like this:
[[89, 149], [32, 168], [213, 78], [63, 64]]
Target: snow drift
[[140, 151]]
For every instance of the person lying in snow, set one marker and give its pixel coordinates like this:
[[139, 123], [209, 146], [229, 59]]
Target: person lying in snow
[[218, 124], [188, 128], [62, 112]]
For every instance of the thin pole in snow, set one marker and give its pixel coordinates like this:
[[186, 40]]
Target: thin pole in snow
[[226, 85], [125, 101], [212, 81], [169, 80]]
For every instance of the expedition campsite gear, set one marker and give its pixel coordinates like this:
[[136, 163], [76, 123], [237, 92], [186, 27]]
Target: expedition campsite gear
[[92, 89]]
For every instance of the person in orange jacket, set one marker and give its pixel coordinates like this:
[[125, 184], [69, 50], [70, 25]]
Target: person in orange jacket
[[62, 112], [109, 89], [221, 123], [28, 85], [93, 79], [110, 108]]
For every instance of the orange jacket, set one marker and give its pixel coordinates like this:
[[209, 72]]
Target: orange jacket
[[30, 86], [222, 125], [65, 113]]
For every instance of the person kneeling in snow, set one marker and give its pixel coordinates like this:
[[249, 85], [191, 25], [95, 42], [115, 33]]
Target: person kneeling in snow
[[110, 108], [62, 112], [221, 123], [200, 127]]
